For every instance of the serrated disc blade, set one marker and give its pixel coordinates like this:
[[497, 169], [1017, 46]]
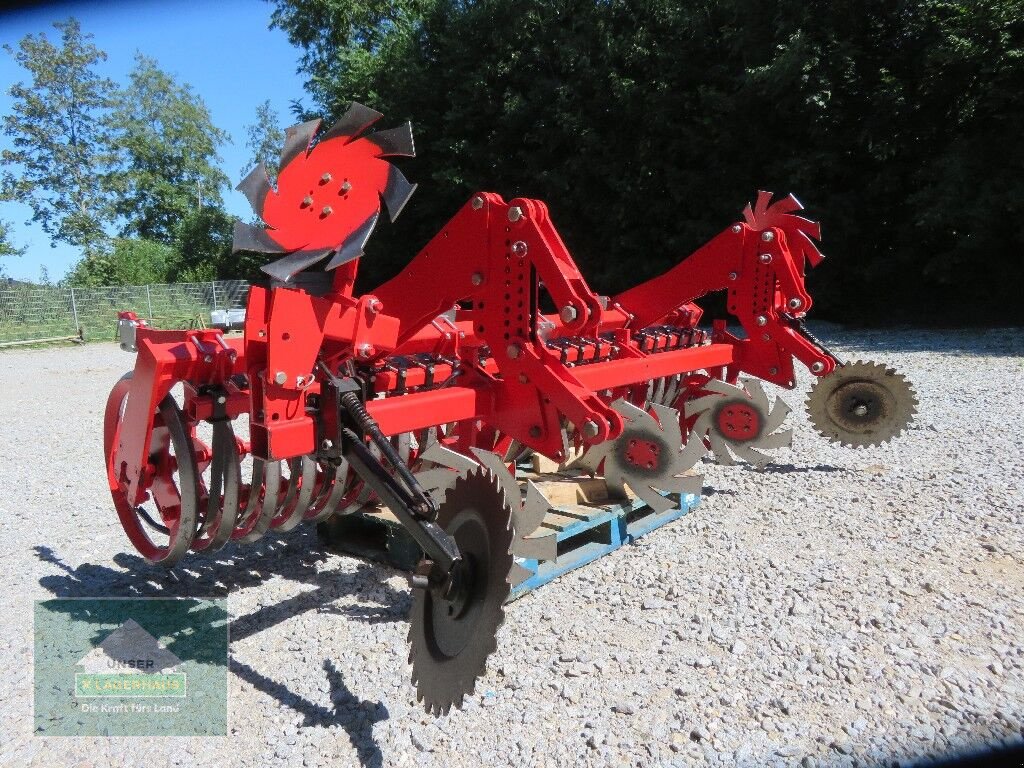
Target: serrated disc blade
[[669, 419], [506, 481], [397, 192], [256, 187], [296, 141], [439, 454], [353, 246], [284, 269], [721, 449], [535, 507], [750, 455], [357, 118], [777, 415], [247, 237], [783, 439], [652, 498], [757, 393], [395, 141], [518, 575]]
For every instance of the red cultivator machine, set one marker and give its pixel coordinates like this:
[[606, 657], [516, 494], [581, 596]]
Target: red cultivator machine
[[423, 394]]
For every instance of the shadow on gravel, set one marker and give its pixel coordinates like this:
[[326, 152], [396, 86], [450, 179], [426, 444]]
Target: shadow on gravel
[[786, 469], [294, 559], [353, 714]]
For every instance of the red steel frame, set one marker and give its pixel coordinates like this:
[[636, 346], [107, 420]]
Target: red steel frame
[[497, 263]]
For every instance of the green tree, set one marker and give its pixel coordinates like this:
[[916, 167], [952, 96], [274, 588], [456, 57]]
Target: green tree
[[7, 247], [203, 246], [59, 158], [165, 145], [646, 126], [264, 139], [132, 261]]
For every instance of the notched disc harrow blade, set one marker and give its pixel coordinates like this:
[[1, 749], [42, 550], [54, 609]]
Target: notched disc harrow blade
[[862, 404], [451, 640], [737, 422], [446, 466], [648, 456], [328, 195], [801, 233]]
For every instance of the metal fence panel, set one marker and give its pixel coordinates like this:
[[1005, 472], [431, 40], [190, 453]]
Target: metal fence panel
[[34, 314]]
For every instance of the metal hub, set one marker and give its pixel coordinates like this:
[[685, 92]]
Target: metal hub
[[739, 421], [642, 453], [453, 624]]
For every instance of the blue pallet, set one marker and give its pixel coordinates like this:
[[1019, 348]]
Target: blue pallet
[[586, 533]]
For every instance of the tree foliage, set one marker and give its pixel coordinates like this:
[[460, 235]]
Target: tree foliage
[[647, 125], [264, 139], [165, 147], [58, 162], [131, 261]]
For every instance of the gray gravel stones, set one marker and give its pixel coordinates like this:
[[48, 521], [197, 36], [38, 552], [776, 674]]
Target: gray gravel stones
[[837, 608]]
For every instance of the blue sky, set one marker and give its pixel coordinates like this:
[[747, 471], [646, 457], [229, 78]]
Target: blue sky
[[223, 49]]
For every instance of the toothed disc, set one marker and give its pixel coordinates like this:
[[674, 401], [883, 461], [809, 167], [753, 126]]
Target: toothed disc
[[328, 193], [861, 404], [451, 640], [737, 422], [648, 456]]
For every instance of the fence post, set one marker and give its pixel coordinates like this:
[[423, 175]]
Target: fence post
[[213, 284], [74, 309], [149, 301]]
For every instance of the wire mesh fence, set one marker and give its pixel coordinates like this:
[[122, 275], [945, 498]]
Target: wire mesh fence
[[34, 314]]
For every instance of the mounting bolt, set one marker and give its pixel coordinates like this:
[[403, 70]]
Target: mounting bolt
[[515, 213], [590, 428], [280, 378], [766, 258], [327, 211], [346, 186], [375, 306], [737, 228], [795, 303], [513, 351], [325, 178], [773, 371], [767, 236], [535, 431], [307, 201], [477, 279], [817, 367], [568, 313], [766, 337], [519, 248], [762, 320], [327, 445], [733, 275], [221, 399], [208, 359], [477, 203], [364, 351], [860, 410]]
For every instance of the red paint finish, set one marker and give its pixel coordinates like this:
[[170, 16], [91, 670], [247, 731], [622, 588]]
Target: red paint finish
[[458, 337], [738, 421]]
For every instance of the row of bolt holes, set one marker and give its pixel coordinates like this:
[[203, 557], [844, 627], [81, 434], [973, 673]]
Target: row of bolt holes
[[521, 275]]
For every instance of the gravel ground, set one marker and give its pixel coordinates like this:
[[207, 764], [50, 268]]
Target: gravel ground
[[839, 608]]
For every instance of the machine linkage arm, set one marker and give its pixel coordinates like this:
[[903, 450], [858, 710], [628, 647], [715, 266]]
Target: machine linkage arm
[[402, 493]]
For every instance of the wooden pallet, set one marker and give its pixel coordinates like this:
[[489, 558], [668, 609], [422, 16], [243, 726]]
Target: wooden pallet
[[587, 532], [587, 525]]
